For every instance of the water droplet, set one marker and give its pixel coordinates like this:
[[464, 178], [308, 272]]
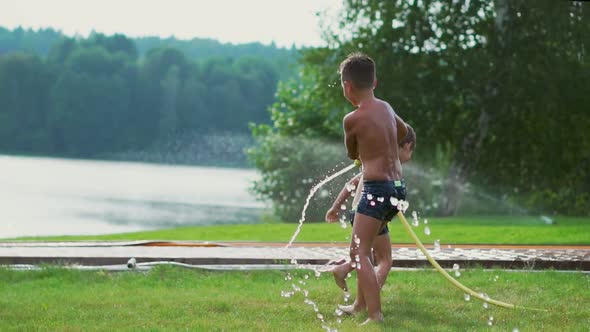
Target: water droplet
[[490, 323], [381, 199], [394, 201], [372, 203], [437, 245], [457, 274], [427, 230], [455, 267], [425, 221], [346, 297], [343, 207], [306, 276], [415, 221], [369, 196], [467, 297]]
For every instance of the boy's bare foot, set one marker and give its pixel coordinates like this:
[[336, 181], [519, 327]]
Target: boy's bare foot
[[370, 321], [349, 309], [340, 278]]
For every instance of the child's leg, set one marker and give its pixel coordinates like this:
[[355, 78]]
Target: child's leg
[[383, 262], [365, 230], [382, 249]]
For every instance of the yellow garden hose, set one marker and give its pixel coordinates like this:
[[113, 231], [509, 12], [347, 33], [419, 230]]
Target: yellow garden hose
[[451, 279]]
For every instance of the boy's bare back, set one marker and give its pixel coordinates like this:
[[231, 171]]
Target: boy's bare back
[[373, 131]]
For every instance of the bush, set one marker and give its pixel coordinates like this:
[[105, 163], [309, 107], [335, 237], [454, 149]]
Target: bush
[[290, 167]]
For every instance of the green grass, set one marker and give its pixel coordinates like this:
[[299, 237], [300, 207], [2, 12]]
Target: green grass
[[178, 299], [463, 230]]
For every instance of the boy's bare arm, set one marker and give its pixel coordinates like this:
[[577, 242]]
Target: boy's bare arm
[[332, 214], [350, 138]]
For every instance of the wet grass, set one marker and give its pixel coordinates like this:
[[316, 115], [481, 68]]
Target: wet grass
[[172, 299], [463, 230]]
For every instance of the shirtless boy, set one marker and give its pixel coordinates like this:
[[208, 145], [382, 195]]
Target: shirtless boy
[[372, 133]]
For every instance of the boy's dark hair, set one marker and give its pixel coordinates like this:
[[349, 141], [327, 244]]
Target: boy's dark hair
[[410, 138], [359, 69]]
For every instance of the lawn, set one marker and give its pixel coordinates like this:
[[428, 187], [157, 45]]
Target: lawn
[[172, 299], [463, 230]]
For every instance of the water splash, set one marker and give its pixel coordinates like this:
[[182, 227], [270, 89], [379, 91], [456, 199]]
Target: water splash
[[311, 193], [456, 270], [437, 245]]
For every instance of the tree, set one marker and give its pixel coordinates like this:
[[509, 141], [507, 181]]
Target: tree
[[24, 91], [496, 84]]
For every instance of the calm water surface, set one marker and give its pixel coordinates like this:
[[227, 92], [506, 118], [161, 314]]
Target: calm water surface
[[50, 196]]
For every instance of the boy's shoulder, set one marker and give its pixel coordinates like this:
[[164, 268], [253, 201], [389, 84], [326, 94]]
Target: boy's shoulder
[[349, 121]]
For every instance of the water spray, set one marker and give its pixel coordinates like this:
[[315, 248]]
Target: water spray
[[311, 193]]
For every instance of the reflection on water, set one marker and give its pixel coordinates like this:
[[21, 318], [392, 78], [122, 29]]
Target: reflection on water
[[47, 196]]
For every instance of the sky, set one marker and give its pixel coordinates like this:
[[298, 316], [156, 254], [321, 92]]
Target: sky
[[285, 22]]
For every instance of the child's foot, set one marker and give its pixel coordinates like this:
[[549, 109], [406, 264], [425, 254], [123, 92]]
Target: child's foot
[[370, 321], [340, 278], [349, 309]]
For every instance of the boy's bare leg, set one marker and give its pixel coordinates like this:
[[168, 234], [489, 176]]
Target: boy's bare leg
[[383, 263], [365, 229]]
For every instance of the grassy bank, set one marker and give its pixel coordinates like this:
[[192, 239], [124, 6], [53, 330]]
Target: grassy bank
[[464, 230], [177, 299]]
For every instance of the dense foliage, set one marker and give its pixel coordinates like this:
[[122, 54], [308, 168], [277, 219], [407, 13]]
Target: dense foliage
[[498, 92]]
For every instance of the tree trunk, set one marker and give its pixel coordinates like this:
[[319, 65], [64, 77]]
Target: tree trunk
[[462, 165]]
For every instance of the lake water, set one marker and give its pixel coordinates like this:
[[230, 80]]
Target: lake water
[[51, 196]]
